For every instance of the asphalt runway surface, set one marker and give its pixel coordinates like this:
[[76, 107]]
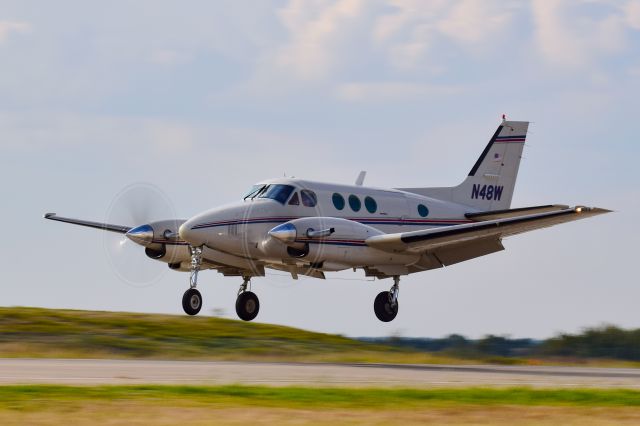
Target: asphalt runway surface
[[108, 371]]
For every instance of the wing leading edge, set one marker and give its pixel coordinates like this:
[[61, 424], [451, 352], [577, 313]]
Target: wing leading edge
[[120, 229], [459, 236]]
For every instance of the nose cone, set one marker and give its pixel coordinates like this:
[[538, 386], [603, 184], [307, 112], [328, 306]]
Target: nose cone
[[193, 236], [142, 235], [287, 233]]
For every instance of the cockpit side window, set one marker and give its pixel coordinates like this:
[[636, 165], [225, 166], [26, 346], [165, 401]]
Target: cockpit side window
[[280, 193], [309, 198], [295, 200]]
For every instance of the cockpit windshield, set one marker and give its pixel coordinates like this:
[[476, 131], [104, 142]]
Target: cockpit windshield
[[280, 193], [255, 189]]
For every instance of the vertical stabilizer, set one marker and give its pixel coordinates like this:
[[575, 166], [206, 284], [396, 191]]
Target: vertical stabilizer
[[492, 179]]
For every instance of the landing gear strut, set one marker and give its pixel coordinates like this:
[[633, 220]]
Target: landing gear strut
[[385, 304], [247, 303], [192, 299]]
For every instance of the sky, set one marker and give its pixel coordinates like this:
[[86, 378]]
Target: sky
[[204, 98]]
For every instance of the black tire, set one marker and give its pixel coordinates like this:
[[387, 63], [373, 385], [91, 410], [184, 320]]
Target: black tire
[[192, 301], [382, 307], [247, 306]]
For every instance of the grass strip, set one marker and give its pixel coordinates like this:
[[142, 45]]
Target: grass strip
[[40, 396], [65, 333]]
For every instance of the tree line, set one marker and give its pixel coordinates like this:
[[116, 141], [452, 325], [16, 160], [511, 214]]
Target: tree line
[[605, 341]]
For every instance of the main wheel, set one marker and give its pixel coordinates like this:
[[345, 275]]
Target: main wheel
[[192, 301], [247, 306], [382, 307]]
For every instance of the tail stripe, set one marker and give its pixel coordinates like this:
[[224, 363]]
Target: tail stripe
[[485, 152], [520, 138]]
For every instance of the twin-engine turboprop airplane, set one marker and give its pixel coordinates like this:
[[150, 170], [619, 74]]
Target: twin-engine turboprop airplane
[[309, 228]]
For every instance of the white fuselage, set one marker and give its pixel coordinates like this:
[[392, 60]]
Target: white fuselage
[[241, 231]]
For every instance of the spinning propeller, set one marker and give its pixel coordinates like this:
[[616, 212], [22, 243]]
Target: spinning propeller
[[139, 205]]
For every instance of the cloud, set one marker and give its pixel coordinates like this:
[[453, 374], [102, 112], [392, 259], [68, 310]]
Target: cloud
[[475, 21], [416, 27], [315, 28], [391, 91], [632, 11], [566, 35], [8, 27]]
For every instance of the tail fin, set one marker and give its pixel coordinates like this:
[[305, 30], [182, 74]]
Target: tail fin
[[492, 179]]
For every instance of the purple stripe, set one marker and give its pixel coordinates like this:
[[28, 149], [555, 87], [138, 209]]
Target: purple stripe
[[365, 221]]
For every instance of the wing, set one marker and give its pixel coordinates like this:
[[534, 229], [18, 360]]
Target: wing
[[97, 225], [476, 238]]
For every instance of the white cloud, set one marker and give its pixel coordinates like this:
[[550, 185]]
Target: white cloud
[[632, 11], [391, 91], [405, 13], [567, 37], [416, 27], [315, 28], [8, 27], [407, 34], [475, 21]]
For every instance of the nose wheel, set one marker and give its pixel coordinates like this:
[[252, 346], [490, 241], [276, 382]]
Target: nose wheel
[[192, 299], [385, 304], [247, 303]]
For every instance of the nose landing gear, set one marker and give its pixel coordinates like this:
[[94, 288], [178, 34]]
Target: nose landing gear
[[385, 304], [192, 299], [247, 303]]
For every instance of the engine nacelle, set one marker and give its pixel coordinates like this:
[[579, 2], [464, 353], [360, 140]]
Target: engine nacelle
[[156, 238], [337, 242]]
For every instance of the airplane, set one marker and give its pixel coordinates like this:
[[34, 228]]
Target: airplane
[[310, 228]]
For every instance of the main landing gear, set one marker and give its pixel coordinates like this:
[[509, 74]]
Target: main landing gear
[[247, 303], [385, 304]]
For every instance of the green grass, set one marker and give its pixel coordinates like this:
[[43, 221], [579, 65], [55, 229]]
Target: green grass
[[40, 396], [36, 332], [64, 333]]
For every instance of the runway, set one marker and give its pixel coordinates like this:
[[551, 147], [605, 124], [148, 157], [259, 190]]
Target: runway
[[107, 371]]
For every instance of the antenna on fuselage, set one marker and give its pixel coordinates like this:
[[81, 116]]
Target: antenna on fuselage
[[360, 179]]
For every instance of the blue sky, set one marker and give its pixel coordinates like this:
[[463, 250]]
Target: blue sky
[[203, 98]]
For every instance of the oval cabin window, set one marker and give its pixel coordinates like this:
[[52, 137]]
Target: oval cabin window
[[338, 201], [423, 210], [370, 204], [354, 203]]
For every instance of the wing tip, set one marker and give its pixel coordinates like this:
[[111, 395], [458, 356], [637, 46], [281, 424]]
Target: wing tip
[[591, 210], [49, 215]]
